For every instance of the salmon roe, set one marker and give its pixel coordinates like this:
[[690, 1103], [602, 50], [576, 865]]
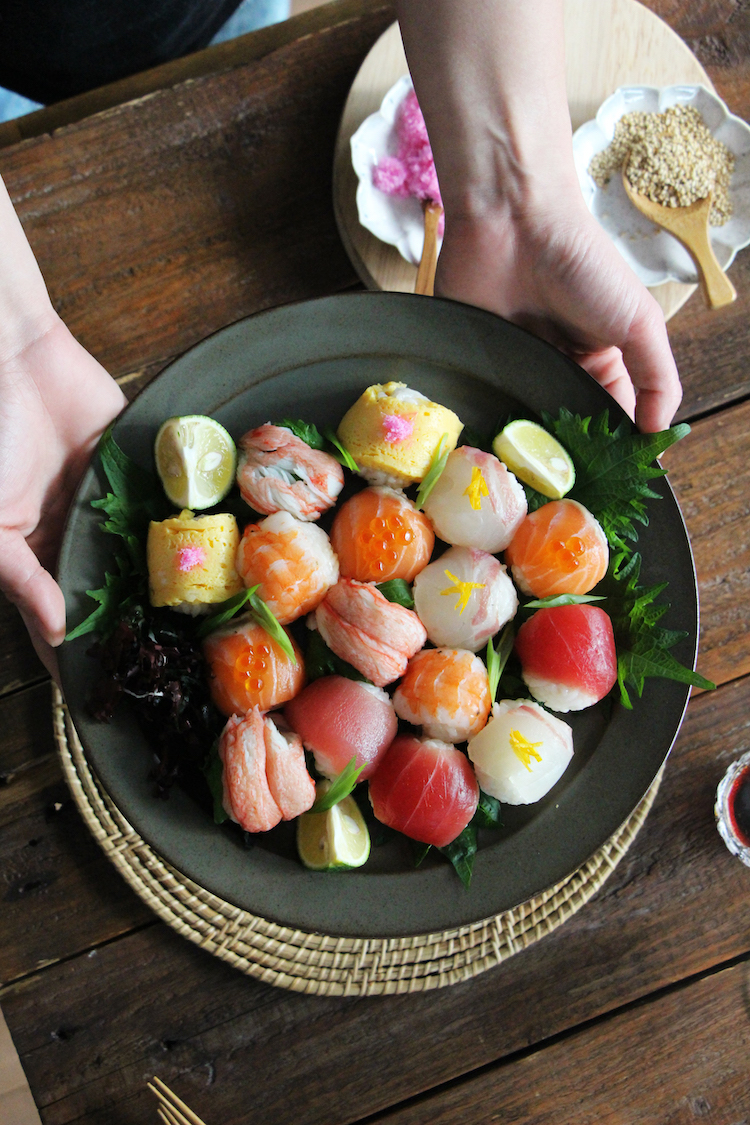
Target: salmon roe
[[248, 670], [379, 535]]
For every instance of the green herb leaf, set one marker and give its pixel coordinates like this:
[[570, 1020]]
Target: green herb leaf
[[462, 852], [121, 591], [267, 621], [344, 456], [306, 431], [419, 851], [489, 812], [340, 787], [437, 464], [212, 771], [225, 612], [563, 599], [397, 590], [497, 658], [321, 661]]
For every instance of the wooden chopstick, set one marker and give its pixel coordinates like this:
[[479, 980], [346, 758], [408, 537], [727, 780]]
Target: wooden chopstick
[[170, 1104]]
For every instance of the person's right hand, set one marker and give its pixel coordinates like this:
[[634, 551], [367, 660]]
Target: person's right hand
[[55, 402]]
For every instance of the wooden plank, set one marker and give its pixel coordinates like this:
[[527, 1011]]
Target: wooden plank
[[678, 1059], [27, 735], [19, 664], [710, 473], [152, 1003]]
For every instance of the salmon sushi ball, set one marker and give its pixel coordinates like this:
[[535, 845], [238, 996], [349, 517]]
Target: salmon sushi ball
[[291, 562], [568, 656], [476, 501], [247, 668], [464, 598], [446, 692], [558, 549], [378, 535]]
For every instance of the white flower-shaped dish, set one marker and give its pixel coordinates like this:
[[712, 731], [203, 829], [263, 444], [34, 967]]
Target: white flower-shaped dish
[[399, 222], [653, 254]]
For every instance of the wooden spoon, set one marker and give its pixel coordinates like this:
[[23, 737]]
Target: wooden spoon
[[689, 225], [426, 273]]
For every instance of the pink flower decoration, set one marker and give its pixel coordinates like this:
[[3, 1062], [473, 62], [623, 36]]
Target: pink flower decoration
[[190, 557], [397, 428]]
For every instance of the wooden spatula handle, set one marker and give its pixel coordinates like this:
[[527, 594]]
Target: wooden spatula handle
[[716, 287], [426, 273]]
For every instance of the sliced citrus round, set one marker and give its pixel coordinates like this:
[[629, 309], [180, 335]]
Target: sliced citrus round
[[335, 839], [196, 461], [536, 458]]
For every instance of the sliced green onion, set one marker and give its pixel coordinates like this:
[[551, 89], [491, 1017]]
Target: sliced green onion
[[437, 464], [346, 458], [497, 658], [267, 621], [340, 787], [563, 599], [225, 613]]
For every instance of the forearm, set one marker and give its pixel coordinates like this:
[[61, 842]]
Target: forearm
[[25, 308]]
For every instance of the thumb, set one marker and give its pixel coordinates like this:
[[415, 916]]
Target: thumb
[[31, 588]]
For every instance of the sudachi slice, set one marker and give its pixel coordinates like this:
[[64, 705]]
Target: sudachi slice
[[558, 549], [568, 656], [379, 535]]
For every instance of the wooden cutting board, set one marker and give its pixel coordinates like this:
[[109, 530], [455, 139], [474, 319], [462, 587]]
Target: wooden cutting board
[[609, 43]]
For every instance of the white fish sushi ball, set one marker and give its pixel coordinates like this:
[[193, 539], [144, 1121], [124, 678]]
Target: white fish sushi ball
[[476, 502], [521, 753], [464, 598]]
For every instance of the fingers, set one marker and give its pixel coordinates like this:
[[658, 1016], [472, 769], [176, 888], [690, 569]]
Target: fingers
[[30, 587], [648, 358], [608, 369]]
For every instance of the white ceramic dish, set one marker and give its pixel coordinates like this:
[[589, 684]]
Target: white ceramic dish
[[399, 222], [652, 253]]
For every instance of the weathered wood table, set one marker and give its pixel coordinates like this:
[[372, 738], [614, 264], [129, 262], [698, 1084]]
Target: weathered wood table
[[160, 210]]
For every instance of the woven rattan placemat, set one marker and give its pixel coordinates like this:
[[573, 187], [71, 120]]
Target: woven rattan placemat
[[321, 964]]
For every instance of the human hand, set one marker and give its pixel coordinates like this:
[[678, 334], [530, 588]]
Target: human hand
[[55, 401], [555, 272]]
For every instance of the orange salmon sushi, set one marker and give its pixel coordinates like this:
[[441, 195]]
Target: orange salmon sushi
[[378, 535], [247, 668], [558, 549], [446, 691]]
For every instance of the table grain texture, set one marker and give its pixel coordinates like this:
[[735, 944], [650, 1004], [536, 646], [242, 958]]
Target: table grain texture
[[161, 209]]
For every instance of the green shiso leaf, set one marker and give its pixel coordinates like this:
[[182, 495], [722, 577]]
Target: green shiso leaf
[[563, 599], [226, 611], [306, 431], [497, 658], [212, 771], [433, 474], [462, 852], [321, 661], [340, 787], [344, 456], [488, 814], [397, 590]]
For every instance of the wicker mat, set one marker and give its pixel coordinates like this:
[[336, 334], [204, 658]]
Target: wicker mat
[[318, 963]]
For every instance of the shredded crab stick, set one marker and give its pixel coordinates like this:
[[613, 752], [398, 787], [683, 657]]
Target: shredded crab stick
[[476, 502], [445, 691], [249, 669], [264, 778], [277, 471], [375, 636], [340, 719], [464, 598], [292, 563], [568, 656], [424, 788], [521, 752], [558, 549], [378, 535]]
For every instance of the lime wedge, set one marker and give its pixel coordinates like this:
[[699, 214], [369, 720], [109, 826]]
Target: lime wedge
[[536, 458], [196, 460], [335, 839]]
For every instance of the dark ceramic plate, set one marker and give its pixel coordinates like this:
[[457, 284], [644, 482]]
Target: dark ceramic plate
[[312, 361]]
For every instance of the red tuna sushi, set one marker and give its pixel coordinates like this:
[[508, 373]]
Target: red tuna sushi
[[425, 789], [568, 656], [339, 719]]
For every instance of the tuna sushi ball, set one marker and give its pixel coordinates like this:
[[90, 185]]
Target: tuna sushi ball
[[558, 549], [378, 535], [463, 598], [476, 502], [568, 656], [521, 753], [292, 562], [339, 719], [446, 691], [424, 788]]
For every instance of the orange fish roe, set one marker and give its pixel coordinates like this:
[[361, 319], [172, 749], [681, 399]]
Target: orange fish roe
[[558, 549], [378, 535], [249, 669]]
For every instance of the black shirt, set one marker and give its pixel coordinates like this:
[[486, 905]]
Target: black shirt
[[53, 49]]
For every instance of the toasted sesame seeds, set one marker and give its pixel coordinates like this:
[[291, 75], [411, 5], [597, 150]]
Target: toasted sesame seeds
[[671, 158]]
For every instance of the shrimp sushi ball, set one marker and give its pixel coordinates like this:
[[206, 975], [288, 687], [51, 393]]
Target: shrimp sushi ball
[[521, 753], [247, 668], [568, 656], [558, 549], [375, 636], [446, 691], [464, 598], [424, 788], [340, 719], [476, 502], [292, 562], [378, 535], [277, 471]]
